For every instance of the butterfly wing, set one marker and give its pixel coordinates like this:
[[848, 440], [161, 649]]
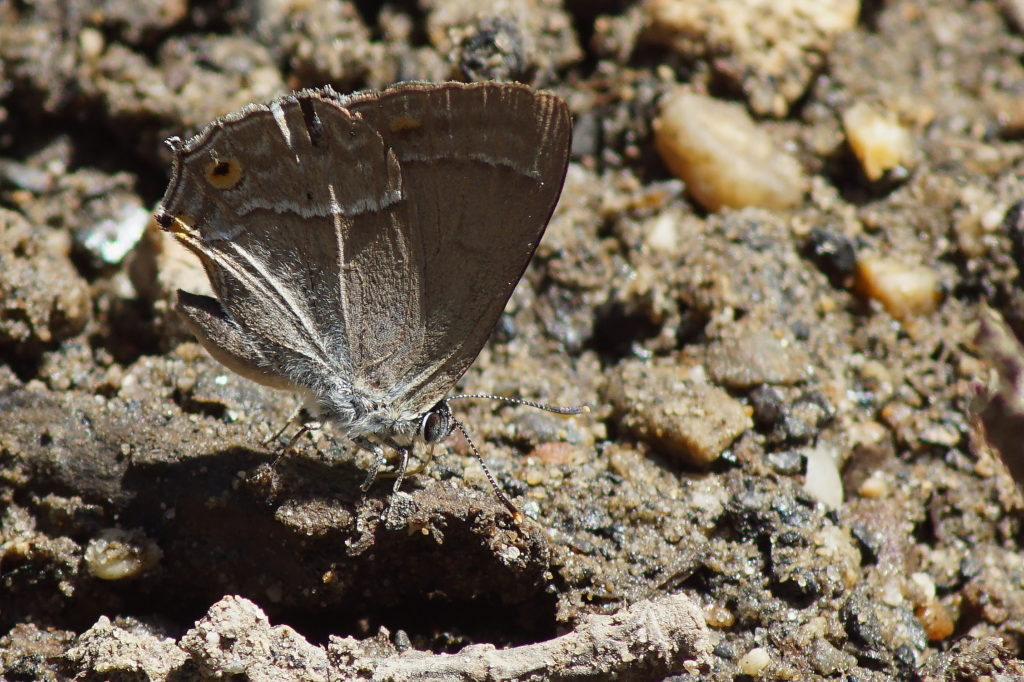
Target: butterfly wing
[[366, 244], [482, 167], [296, 210]]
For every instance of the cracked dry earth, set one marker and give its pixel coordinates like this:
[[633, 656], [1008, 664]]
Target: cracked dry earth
[[785, 273]]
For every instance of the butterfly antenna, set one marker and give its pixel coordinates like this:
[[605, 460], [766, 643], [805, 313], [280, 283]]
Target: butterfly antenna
[[557, 409], [517, 515]]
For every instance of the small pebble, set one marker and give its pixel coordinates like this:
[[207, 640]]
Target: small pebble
[[559, 454], [769, 405], [874, 486], [826, 659], [878, 141], [109, 239], [876, 378], [91, 42], [718, 616], [822, 480], [788, 462], [834, 254], [755, 357], [945, 435], [978, 216], [905, 291], [661, 405], [724, 158], [935, 619], [920, 588], [754, 662], [117, 554], [402, 641], [891, 593]]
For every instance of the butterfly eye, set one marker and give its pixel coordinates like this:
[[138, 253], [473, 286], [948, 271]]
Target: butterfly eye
[[437, 423], [223, 173]]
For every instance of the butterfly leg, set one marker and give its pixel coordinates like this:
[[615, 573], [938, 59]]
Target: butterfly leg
[[403, 453], [402, 465], [375, 465], [423, 462], [378, 462], [292, 419], [303, 430]]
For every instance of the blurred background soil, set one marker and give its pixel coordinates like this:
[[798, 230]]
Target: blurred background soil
[[782, 228]]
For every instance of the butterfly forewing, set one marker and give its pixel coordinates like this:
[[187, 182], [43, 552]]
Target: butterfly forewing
[[315, 194]]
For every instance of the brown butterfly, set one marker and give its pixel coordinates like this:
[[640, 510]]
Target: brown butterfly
[[362, 247]]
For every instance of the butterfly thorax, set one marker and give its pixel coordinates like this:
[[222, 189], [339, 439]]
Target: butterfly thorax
[[359, 417]]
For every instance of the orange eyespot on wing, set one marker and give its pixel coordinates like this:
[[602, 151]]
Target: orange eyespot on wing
[[223, 173]]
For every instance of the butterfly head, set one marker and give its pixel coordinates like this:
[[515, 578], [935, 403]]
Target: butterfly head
[[437, 423]]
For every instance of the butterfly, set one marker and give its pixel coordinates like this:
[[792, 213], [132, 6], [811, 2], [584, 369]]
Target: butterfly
[[361, 248]]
